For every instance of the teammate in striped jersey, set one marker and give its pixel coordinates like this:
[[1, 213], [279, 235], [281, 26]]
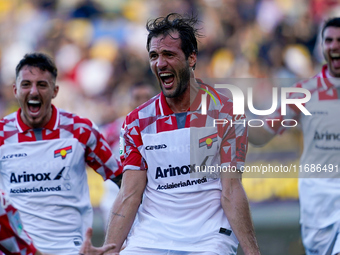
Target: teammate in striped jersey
[[319, 191], [43, 153]]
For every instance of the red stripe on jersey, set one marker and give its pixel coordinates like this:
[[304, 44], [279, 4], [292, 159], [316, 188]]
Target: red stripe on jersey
[[2, 138], [109, 174], [134, 159], [68, 128], [55, 134], [145, 122], [202, 140], [104, 151], [66, 149], [162, 124], [78, 120], [330, 93], [157, 106], [82, 134], [27, 136], [93, 163], [166, 109], [67, 114], [199, 120]]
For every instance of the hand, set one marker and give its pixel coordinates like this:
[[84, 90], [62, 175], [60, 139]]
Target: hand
[[88, 249]]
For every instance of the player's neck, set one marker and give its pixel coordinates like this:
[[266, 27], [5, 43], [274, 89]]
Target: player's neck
[[334, 80], [182, 103]]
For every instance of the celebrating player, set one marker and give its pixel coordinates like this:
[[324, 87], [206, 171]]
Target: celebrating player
[[43, 154], [319, 197], [179, 214]]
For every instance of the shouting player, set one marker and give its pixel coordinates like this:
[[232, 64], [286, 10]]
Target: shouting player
[[319, 192], [177, 214], [43, 155]]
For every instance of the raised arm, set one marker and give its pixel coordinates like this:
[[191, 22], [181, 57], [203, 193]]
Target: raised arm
[[125, 207], [235, 205]]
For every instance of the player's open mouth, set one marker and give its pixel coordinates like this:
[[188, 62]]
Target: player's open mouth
[[34, 106], [335, 57], [167, 79]]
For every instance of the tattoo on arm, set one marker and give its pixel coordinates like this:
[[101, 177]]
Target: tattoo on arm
[[117, 214]]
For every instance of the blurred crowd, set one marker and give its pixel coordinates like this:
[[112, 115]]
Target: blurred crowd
[[100, 45]]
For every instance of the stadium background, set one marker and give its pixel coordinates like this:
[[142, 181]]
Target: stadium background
[[99, 48]]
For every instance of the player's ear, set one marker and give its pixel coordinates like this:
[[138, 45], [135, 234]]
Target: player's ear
[[15, 89], [55, 91], [192, 59]]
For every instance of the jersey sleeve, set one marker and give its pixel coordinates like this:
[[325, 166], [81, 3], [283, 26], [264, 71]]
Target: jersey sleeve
[[234, 142], [98, 154], [130, 141], [13, 238]]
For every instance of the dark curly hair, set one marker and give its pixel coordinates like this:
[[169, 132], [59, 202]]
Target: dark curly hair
[[40, 60], [332, 22], [184, 25]]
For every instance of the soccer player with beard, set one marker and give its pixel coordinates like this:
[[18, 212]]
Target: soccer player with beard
[[180, 211], [319, 189]]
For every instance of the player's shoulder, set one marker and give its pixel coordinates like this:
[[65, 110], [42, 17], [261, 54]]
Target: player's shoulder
[[213, 92], [220, 101], [310, 83], [145, 110], [67, 117], [9, 121]]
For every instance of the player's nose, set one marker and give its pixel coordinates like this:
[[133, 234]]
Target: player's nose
[[161, 63]]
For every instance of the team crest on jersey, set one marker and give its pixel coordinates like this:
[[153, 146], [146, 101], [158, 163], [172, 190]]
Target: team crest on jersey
[[63, 152], [208, 141]]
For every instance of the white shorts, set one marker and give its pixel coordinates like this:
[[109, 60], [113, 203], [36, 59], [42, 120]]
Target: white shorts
[[324, 241], [138, 250]]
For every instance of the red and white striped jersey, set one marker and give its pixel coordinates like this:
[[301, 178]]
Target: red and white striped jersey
[[13, 238], [321, 146], [43, 172], [181, 208]]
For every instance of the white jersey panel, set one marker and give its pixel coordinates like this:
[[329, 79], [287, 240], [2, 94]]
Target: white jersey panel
[[50, 190], [192, 206], [320, 197]]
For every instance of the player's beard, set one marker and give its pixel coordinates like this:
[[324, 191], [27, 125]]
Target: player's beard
[[183, 83]]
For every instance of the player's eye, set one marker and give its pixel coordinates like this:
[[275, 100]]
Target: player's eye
[[153, 56], [25, 84]]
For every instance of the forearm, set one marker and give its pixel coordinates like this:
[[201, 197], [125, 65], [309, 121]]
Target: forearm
[[122, 215], [259, 136], [236, 208], [125, 207]]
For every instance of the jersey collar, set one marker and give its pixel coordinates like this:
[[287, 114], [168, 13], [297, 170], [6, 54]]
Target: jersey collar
[[51, 125], [163, 106], [325, 78]]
